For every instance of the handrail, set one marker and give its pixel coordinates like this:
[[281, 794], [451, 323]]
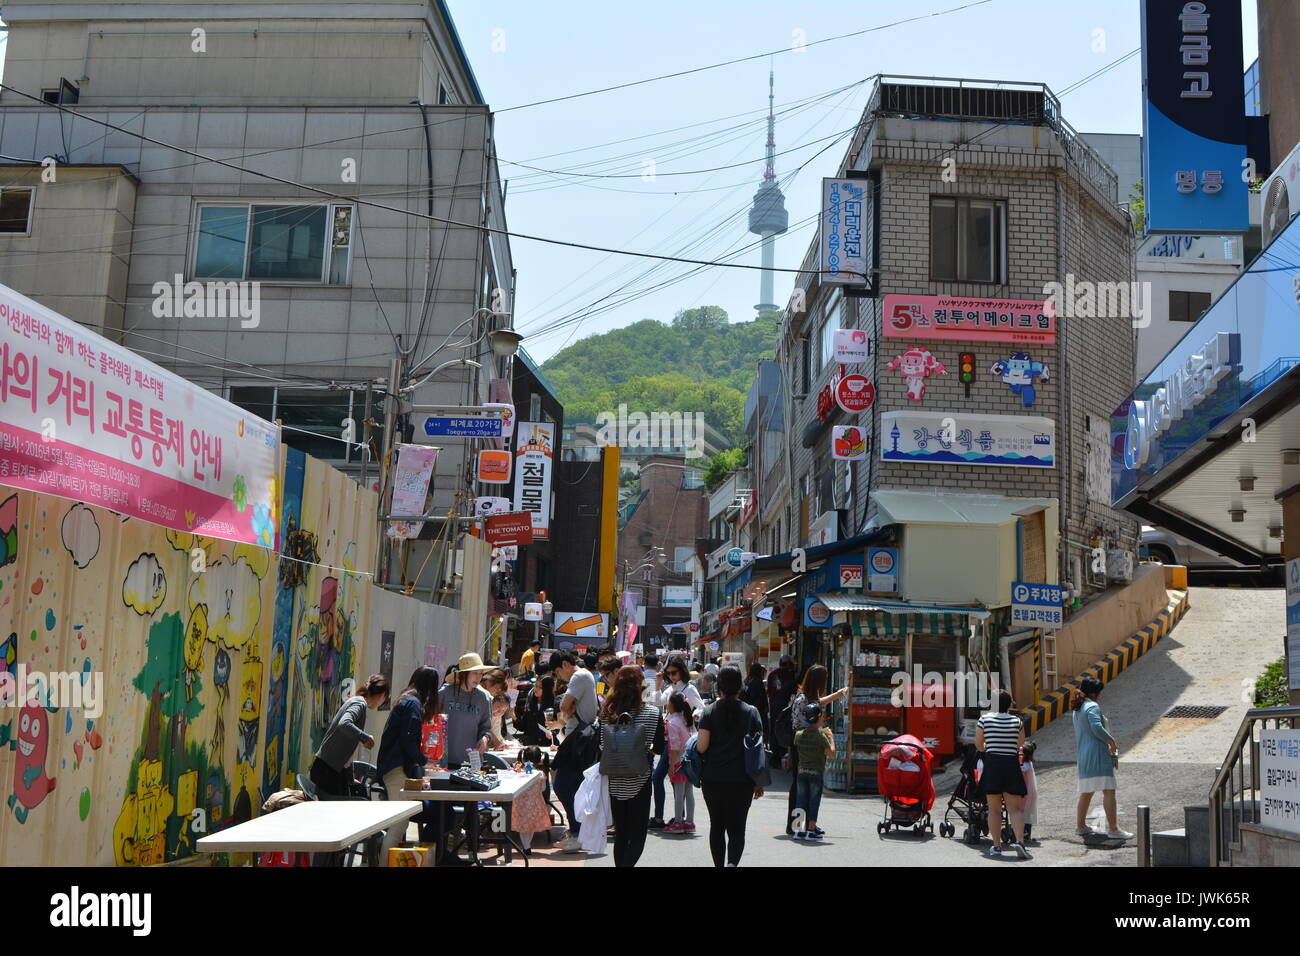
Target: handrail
[[1227, 795]]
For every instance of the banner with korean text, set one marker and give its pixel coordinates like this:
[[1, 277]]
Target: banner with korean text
[[534, 456], [86, 419], [1028, 321]]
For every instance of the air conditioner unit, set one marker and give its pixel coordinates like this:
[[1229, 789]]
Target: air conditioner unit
[[1280, 197]]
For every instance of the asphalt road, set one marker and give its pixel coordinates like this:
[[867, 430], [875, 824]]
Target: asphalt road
[[1221, 645]]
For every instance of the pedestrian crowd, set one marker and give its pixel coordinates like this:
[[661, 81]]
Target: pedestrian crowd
[[614, 735]]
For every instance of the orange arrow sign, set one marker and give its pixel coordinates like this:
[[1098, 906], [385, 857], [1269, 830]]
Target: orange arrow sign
[[574, 624]]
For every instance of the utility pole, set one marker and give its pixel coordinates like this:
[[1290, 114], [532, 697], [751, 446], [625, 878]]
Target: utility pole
[[392, 407]]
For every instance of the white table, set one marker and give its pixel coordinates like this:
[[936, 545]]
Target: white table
[[317, 826], [509, 786]]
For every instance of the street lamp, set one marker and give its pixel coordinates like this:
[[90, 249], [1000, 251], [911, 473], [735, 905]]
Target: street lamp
[[504, 342]]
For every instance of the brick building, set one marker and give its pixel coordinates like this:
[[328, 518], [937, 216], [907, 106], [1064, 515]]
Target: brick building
[[662, 520], [982, 196]]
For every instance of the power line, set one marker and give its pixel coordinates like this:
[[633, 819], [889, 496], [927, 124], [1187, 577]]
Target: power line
[[406, 212], [743, 59]]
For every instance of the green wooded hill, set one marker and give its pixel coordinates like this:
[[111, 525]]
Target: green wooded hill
[[701, 362]]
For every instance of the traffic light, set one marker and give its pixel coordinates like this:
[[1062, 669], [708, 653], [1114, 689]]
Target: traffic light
[[966, 373]]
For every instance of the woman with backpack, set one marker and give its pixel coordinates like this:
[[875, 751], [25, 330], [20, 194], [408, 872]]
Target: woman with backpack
[[810, 692], [728, 787], [630, 732]]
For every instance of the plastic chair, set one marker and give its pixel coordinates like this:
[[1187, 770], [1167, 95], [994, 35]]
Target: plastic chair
[[367, 781]]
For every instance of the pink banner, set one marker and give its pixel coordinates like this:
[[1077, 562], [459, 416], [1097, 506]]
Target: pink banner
[[86, 419], [1028, 321]]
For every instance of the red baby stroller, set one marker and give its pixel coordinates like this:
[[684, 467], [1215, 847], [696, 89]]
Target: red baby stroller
[[903, 776]]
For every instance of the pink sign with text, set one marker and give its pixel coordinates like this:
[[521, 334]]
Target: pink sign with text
[[1028, 321], [86, 419]]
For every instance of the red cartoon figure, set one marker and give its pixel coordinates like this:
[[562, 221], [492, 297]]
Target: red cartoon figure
[[31, 786], [915, 365]]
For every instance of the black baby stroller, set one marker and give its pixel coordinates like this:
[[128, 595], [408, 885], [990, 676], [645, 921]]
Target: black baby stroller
[[970, 806]]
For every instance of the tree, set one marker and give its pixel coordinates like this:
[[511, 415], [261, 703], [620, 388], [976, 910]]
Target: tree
[[723, 464], [1137, 205]]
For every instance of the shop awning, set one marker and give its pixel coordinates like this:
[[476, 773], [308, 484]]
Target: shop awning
[[872, 618], [922, 507]]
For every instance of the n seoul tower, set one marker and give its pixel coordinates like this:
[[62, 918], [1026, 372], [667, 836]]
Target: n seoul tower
[[768, 217]]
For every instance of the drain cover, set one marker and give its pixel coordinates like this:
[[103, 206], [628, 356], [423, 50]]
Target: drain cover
[[1195, 710]]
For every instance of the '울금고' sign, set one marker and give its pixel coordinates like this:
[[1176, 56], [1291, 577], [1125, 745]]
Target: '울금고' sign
[[83, 418]]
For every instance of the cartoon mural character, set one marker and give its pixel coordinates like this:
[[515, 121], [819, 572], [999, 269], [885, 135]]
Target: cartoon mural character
[[1019, 373], [329, 642], [31, 785], [196, 633], [250, 691], [140, 834], [915, 365]]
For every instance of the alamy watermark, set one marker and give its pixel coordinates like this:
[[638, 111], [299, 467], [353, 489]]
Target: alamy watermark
[[935, 689], [79, 690], [1084, 299], [674, 430], [208, 300]]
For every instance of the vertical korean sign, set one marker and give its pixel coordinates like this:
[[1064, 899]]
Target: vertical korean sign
[[83, 418], [1193, 121], [534, 460], [843, 238]]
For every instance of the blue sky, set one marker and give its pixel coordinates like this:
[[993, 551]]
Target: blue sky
[[523, 51]]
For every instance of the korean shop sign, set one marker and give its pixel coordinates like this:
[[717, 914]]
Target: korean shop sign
[[1193, 118], [1027, 321]]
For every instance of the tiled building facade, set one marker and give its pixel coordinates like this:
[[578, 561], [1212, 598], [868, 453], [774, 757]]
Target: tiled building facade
[[1060, 222]]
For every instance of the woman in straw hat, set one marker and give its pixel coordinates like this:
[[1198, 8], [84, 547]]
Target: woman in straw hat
[[468, 708]]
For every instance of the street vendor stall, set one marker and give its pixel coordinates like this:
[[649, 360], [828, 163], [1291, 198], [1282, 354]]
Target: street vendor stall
[[929, 646]]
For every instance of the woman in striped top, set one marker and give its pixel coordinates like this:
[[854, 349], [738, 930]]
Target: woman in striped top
[[629, 797], [999, 736]]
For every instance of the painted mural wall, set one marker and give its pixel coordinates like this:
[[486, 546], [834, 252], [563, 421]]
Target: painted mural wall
[[219, 666]]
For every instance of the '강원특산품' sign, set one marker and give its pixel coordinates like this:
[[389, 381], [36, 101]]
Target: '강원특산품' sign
[[956, 438]]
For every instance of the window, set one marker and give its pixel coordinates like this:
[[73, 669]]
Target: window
[[830, 326], [1187, 306], [15, 211], [313, 418], [276, 242], [966, 240], [443, 98], [65, 94], [806, 373]]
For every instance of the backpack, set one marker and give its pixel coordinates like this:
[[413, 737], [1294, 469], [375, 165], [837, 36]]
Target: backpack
[[783, 728], [579, 749], [623, 748], [756, 755], [692, 763]]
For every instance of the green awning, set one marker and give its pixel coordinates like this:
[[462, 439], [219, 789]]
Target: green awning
[[880, 624]]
